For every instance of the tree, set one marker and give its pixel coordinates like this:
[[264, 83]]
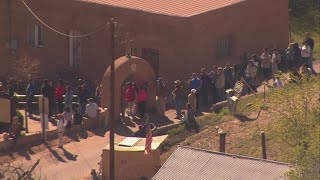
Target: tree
[[298, 127], [25, 68]]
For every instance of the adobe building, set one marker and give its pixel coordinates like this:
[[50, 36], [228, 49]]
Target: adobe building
[[176, 37]]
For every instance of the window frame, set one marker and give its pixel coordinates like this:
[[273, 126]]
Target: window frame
[[35, 35], [224, 47]]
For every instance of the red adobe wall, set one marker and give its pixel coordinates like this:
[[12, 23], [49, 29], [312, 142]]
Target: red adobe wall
[[253, 24], [185, 44]]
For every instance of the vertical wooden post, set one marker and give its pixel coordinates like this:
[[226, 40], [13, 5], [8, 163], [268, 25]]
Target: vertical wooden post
[[264, 92], [12, 109], [112, 104], [26, 118], [263, 141], [43, 119], [222, 147]]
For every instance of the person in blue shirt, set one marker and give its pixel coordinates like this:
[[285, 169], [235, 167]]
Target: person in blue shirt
[[30, 92], [195, 83]]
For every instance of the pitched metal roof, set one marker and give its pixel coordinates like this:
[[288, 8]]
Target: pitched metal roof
[[183, 8], [196, 164]]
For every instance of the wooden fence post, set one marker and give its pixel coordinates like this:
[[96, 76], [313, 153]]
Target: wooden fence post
[[263, 141], [222, 147]]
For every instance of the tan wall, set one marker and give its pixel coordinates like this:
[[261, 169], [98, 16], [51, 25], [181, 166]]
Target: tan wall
[[131, 164]]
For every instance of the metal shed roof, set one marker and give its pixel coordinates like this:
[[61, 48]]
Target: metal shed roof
[[182, 8], [196, 164]]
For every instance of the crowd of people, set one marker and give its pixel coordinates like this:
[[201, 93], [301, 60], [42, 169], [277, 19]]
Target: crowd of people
[[203, 89], [209, 86]]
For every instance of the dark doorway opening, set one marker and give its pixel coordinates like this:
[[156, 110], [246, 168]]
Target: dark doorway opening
[[152, 57]]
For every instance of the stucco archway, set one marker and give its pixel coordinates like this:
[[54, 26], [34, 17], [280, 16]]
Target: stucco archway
[[124, 67]]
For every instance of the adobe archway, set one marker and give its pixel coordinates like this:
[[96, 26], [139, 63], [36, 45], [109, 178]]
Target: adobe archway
[[124, 67]]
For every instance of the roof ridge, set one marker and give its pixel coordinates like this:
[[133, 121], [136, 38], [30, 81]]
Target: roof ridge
[[234, 155]]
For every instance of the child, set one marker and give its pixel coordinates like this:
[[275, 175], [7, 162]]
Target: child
[[184, 116], [68, 98], [61, 124], [67, 117], [192, 99], [278, 83], [191, 122], [77, 118], [15, 130]]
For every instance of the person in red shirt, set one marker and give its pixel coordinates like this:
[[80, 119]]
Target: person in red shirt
[[142, 101], [130, 97], [59, 95]]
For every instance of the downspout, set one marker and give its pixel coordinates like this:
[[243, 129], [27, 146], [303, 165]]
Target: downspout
[[9, 22]]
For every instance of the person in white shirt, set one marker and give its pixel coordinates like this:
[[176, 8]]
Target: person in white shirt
[[67, 115], [278, 83], [275, 61], [251, 72], [61, 124], [91, 109], [305, 52], [266, 63]]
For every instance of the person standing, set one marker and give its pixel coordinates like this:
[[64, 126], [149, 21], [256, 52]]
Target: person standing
[[205, 80], [30, 92], [67, 116], [97, 94], [227, 72], [15, 131], [220, 85], [275, 61], [130, 95], [213, 78], [161, 97], [178, 98], [10, 88], [195, 83], [289, 56], [61, 125], [68, 98], [192, 100], [46, 92], [52, 98], [296, 55], [310, 42], [251, 72], [266, 64], [191, 122], [236, 75], [142, 97], [59, 92], [83, 95]]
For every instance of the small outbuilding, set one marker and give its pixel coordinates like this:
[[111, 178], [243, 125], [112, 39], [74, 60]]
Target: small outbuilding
[[197, 164]]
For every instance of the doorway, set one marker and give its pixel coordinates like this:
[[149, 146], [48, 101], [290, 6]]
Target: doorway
[[152, 57]]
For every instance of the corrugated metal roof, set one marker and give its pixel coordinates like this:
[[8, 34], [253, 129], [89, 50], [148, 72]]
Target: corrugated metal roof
[[195, 164], [183, 8]]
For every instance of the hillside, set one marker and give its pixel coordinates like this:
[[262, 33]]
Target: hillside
[[289, 116]]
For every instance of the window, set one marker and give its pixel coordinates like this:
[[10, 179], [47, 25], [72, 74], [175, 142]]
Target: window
[[35, 35], [223, 48], [75, 50], [134, 52]]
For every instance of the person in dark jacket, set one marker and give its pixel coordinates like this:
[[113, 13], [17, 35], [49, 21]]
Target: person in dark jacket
[[205, 82], [30, 92], [83, 95], [296, 55], [59, 92], [142, 132], [178, 98]]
